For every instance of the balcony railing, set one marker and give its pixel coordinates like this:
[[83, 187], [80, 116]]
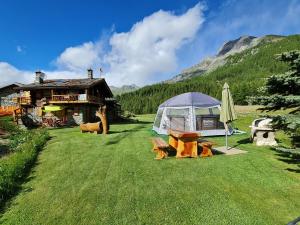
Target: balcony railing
[[22, 100], [75, 98], [67, 98], [71, 98]]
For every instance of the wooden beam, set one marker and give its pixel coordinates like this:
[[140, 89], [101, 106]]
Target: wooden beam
[[52, 93]]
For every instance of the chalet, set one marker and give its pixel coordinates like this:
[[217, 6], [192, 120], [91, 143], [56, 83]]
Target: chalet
[[73, 101]]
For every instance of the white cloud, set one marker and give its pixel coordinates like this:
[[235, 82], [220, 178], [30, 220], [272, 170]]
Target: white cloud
[[149, 48], [143, 53], [80, 57], [9, 74], [64, 74], [19, 48]]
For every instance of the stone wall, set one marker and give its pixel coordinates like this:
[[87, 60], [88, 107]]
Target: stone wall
[[7, 100]]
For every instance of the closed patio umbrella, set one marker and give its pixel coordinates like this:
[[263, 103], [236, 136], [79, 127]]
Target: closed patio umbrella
[[227, 109]]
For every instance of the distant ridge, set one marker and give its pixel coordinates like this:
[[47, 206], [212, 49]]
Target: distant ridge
[[123, 89]]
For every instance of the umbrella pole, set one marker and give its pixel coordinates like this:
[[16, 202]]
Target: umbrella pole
[[226, 140], [226, 133]]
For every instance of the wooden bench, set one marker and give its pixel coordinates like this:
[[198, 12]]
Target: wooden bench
[[206, 148], [160, 147]]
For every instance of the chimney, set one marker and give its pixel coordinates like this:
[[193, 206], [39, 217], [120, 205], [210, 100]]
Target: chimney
[[39, 77], [90, 73]]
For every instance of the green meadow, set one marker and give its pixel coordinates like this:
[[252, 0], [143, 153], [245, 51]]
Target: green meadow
[[114, 179]]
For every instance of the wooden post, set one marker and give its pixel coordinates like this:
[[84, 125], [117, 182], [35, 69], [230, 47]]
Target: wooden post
[[86, 93], [52, 93]]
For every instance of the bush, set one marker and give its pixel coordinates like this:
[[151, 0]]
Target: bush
[[15, 167], [7, 124]]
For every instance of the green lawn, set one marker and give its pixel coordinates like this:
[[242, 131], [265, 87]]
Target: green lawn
[[114, 179]]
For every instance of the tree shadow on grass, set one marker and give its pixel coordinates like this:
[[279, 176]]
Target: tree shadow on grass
[[293, 170], [131, 121], [123, 134], [118, 132], [289, 159], [242, 142]]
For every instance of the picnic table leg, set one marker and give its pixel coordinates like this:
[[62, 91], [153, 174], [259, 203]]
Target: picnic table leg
[[190, 149], [194, 149], [160, 154], [187, 149], [206, 150], [173, 142], [181, 149]]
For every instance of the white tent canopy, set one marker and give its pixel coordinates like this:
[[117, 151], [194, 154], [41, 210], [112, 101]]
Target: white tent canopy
[[192, 111]]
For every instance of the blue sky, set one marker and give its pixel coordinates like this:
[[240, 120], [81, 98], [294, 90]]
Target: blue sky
[[140, 42]]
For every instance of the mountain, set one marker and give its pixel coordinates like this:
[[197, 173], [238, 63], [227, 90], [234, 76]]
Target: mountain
[[245, 71], [229, 48], [123, 89]]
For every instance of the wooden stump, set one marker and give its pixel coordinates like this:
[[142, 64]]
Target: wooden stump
[[102, 115]]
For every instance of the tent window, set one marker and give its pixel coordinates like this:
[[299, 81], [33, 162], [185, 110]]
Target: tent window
[[207, 118], [177, 112], [215, 111], [158, 118], [179, 119], [206, 122], [202, 111]]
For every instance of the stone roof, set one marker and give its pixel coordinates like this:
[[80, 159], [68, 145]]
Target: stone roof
[[13, 85], [66, 84], [63, 83]]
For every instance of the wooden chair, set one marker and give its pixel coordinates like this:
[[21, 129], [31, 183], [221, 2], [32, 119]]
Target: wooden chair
[[160, 147]]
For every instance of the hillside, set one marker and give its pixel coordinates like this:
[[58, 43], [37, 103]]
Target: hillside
[[124, 89], [244, 71], [229, 48]]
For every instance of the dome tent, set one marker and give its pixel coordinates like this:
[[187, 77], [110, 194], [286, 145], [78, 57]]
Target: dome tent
[[192, 111]]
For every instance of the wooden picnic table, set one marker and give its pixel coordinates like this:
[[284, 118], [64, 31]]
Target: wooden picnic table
[[185, 143]]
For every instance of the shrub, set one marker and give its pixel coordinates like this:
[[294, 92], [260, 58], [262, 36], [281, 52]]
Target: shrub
[[6, 124], [15, 167]]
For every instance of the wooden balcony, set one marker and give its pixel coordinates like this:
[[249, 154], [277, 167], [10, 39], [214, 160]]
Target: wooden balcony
[[22, 100], [75, 98]]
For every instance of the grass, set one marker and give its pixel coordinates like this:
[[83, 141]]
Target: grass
[[114, 179]]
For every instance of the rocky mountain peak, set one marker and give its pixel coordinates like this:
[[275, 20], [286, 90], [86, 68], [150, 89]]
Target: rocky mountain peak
[[228, 48], [238, 44]]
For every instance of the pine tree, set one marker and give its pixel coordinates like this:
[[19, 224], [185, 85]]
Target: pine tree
[[282, 91]]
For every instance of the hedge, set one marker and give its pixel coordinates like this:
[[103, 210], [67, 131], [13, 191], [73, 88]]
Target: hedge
[[14, 167]]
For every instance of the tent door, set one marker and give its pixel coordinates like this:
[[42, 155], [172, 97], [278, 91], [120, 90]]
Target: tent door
[[179, 123]]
